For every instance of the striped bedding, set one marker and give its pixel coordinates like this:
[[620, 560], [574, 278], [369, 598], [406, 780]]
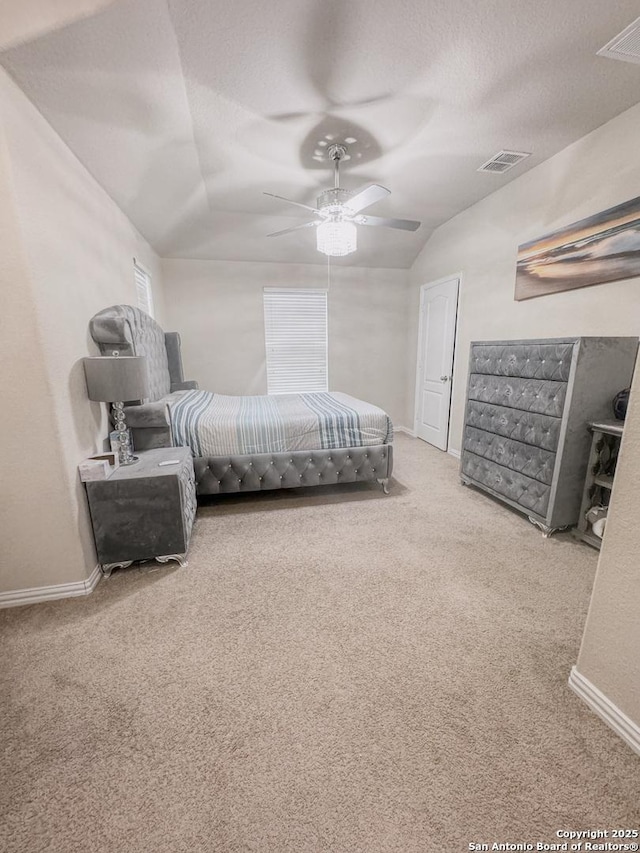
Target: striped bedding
[[218, 425]]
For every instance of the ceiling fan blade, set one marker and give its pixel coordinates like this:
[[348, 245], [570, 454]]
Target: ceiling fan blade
[[402, 224], [365, 197], [297, 203], [295, 228]]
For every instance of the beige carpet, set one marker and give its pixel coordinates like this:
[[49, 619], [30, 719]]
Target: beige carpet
[[334, 671]]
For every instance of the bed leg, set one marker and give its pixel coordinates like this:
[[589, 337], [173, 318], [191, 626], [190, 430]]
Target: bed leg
[[384, 482]]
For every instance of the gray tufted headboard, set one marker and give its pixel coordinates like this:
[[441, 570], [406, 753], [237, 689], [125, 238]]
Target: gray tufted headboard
[[132, 332]]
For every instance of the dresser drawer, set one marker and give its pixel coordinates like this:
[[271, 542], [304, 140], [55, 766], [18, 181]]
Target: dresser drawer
[[534, 462], [541, 396], [518, 488], [528, 427], [525, 360]]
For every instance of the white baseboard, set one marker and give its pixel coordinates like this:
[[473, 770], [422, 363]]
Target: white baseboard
[[622, 725], [405, 430], [16, 597], [413, 434]]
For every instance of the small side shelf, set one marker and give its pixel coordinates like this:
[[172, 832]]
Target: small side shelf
[[603, 457], [605, 482]]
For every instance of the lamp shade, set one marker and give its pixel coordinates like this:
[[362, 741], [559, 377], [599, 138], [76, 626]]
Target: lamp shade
[[336, 238], [112, 379]]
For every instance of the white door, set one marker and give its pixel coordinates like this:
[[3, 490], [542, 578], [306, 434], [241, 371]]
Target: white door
[[437, 334]]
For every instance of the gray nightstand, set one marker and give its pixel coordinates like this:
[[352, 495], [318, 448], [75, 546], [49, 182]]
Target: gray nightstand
[[144, 511]]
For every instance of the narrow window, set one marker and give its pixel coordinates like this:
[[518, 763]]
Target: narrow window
[[143, 288], [295, 327]]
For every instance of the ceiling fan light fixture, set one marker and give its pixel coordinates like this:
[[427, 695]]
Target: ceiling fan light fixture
[[336, 238], [338, 210]]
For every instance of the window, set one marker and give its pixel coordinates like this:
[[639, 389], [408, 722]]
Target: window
[[295, 327], [143, 288]]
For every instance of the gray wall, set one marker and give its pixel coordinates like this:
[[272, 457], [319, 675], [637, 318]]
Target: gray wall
[[71, 254], [217, 308], [610, 653]]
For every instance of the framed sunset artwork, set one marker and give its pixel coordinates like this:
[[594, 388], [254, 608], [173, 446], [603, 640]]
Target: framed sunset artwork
[[601, 248]]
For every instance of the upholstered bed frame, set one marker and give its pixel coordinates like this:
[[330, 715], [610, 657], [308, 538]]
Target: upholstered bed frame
[[132, 332]]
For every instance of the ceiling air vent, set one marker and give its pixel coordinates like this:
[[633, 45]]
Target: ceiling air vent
[[502, 161], [625, 46]]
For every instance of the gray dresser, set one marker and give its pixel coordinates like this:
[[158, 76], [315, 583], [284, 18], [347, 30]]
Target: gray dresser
[[526, 438]]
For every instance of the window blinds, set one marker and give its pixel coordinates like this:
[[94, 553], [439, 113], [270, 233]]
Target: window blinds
[[295, 325], [143, 289]]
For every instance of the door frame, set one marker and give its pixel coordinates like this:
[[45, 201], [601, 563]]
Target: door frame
[[416, 401]]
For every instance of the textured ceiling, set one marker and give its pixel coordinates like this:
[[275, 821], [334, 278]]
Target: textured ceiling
[[186, 111], [23, 20]]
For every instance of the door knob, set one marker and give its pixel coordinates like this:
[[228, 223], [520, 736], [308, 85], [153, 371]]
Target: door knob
[[444, 378]]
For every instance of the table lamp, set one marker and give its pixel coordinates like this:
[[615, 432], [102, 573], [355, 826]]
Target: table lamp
[[115, 379]]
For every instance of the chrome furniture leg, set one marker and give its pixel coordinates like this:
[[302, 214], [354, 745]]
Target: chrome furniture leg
[[384, 482], [107, 568], [181, 559], [546, 531]]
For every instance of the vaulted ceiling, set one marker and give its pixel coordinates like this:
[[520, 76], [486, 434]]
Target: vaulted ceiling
[[186, 111]]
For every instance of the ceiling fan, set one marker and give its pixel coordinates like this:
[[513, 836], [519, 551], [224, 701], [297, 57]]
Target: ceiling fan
[[338, 212]]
